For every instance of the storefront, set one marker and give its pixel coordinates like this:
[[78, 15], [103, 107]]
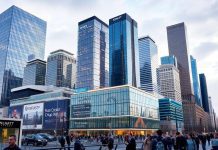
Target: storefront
[[10, 127], [120, 110]]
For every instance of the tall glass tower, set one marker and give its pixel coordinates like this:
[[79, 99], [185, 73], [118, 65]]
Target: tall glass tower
[[204, 93], [21, 35], [124, 53], [93, 54], [195, 79], [178, 46], [148, 59]]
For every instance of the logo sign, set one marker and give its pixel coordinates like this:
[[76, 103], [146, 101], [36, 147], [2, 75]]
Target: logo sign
[[117, 18], [9, 124], [32, 116]]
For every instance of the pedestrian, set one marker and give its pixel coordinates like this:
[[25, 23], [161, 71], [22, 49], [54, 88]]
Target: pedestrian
[[181, 142], [158, 141], [168, 142], [208, 139], [197, 141], [68, 140], [62, 141], [148, 143], [214, 142], [131, 145], [78, 145], [203, 139], [191, 145], [12, 143], [110, 143]]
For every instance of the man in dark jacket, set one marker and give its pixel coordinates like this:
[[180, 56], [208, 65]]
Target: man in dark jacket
[[158, 141], [181, 142], [12, 143]]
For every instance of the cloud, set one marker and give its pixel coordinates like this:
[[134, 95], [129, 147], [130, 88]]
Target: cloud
[[205, 49]]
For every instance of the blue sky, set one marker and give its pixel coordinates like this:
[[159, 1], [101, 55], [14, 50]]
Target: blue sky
[[200, 17]]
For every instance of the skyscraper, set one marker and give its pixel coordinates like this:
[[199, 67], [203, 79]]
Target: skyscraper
[[124, 53], [178, 46], [21, 35], [195, 79], [61, 69], [204, 94], [34, 72], [93, 54], [168, 78], [148, 60]]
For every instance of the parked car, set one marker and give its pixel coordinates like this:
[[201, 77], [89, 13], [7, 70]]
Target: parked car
[[47, 136], [35, 140]]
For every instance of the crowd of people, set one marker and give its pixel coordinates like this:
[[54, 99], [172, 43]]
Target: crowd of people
[[157, 141]]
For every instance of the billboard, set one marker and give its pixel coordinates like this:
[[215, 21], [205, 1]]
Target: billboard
[[32, 116], [15, 112], [55, 114], [81, 110]]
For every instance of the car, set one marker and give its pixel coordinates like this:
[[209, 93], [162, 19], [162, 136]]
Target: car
[[35, 140], [47, 136]]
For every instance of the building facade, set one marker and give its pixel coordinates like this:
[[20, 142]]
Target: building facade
[[61, 69], [34, 72], [204, 93], [93, 54], [22, 34], [171, 115], [178, 46], [120, 109], [169, 81], [195, 79], [45, 112], [148, 60], [123, 51], [169, 60]]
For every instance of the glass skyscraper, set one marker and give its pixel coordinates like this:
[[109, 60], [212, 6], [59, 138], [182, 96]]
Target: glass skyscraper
[[93, 54], [124, 53], [61, 69], [178, 46], [166, 60], [195, 79], [204, 94], [34, 72], [148, 60], [21, 35]]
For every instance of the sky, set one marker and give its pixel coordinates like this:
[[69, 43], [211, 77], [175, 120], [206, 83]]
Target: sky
[[200, 17]]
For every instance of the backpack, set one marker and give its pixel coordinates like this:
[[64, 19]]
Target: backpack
[[159, 145]]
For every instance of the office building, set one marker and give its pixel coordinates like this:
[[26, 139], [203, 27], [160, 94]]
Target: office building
[[178, 46], [171, 115], [21, 34], [204, 94], [93, 54], [148, 60], [166, 60], [34, 72], [118, 110], [195, 79], [123, 51], [61, 69], [168, 79]]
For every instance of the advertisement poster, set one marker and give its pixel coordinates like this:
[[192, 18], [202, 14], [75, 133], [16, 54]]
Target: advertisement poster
[[55, 114], [32, 116], [15, 112], [81, 110]]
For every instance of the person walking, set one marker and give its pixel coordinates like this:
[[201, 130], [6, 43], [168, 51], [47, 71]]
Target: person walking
[[203, 139], [62, 141], [68, 140], [214, 142], [110, 143], [12, 143], [208, 139], [78, 145], [197, 141], [131, 145], [191, 145], [148, 143], [158, 142], [181, 142]]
